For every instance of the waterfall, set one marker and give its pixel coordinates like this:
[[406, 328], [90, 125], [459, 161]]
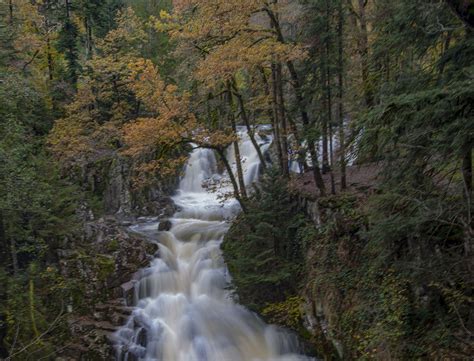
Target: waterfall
[[183, 307]]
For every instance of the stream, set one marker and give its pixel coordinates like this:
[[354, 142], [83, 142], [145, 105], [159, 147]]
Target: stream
[[184, 307]]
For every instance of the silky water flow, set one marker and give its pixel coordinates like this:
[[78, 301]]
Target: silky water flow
[[184, 310]]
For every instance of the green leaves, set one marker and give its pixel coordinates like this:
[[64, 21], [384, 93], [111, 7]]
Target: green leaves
[[263, 249], [426, 130]]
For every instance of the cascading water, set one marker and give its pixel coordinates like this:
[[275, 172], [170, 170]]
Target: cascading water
[[183, 310]]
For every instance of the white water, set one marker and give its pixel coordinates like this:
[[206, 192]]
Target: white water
[[184, 310]]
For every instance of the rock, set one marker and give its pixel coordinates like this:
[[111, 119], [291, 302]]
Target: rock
[[142, 337], [106, 326], [165, 225], [169, 209], [104, 260], [117, 195], [128, 291], [66, 253]]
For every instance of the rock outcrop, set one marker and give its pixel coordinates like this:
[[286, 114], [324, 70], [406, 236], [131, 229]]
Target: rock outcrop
[[104, 263]]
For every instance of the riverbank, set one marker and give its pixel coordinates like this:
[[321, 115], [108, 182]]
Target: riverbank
[[329, 269]]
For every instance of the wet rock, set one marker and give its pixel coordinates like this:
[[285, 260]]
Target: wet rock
[[142, 337], [165, 225], [169, 209], [103, 261], [128, 291]]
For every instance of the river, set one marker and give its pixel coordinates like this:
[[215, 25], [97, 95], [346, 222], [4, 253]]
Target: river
[[184, 308]]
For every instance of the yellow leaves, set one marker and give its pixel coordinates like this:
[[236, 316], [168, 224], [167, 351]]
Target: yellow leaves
[[125, 100], [146, 134], [171, 88], [244, 52], [153, 143], [161, 134], [165, 23], [162, 99], [182, 5], [68, 140], [288, 313], [213, 138], [164, 15], [172, 125], [79, 137], [230, 36], [146, 83], [83, 99], [69, 136], [214, 19], [127, 38]]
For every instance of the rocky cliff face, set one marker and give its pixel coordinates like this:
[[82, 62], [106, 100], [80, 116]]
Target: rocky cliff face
[[335, 248], [102, 261], [103, 268], [112, 181], [366, 298]]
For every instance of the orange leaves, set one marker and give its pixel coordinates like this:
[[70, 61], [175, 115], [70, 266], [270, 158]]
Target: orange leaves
[[68, 141], [146, 83], [127, 38], [244, 53], [217, 18], [160, 98], [126, 106], [70, 138], [172, 124], [145, 134], [230, 37]]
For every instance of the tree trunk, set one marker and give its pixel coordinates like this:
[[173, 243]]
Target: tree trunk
[[326, 91], [331, 156], [446, 44], [3, 242], [467, 171], [14, 256], [364, 54], [293, 127], [31, 297], [50, 59], [276, 117], [87, 25], [238, 160], [340, 112], [68, 13], [282, 116], [270, 110], [329, 132], [233, 181], [250, 131], [464, 9], [3, 292], [299, 99], [318, 179], [10, 12]]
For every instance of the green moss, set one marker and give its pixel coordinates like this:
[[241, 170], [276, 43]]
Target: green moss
[[380, 298], [288, 313], [113, 245], [105, 265]]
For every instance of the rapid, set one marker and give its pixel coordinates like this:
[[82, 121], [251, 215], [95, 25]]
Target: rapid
[[184, 307]]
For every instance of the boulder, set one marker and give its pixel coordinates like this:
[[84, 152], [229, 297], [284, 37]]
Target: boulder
[[165, 225]]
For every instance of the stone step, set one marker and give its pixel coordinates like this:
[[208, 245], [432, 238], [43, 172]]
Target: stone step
[[126, 310], [105, 325]]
